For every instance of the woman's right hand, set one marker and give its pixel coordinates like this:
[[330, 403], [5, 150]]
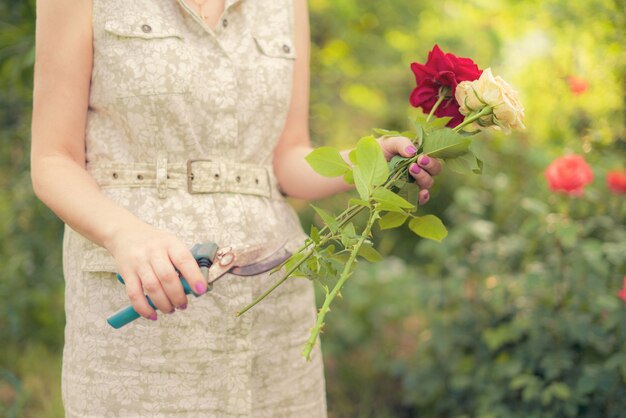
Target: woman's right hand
[[147, 258]]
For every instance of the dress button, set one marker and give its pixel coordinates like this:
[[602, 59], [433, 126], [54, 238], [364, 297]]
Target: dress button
[[286, 49], [225, 23], [146, 28]]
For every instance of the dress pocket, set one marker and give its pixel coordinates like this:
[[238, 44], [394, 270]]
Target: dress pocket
[[98, 260], [144, 55], [272, 67]]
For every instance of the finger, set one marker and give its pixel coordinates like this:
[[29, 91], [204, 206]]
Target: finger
[[170, 281], [134, 290], [423, 196], [153, 288], [397, 145], [422, 178], [183, 260], [432, 165]]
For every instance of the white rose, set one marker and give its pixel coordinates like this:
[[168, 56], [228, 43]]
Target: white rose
[[474, 96]]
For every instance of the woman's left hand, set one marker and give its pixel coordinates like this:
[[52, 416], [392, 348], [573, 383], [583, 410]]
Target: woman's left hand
[[423, 172]]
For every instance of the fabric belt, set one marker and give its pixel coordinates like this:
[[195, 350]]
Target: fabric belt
[[194, 176]]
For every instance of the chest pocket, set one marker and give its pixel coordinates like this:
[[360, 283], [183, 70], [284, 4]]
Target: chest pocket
[[273, 66], [145, 55]]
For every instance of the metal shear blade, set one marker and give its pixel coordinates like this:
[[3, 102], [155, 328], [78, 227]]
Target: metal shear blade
[[248, 261]]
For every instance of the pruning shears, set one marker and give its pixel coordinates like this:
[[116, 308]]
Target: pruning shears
[[214, 262]]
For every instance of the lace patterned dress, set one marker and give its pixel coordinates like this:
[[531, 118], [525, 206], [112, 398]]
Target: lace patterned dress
[[181, 125]]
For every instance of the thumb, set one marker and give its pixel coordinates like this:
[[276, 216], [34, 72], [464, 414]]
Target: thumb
[[397, 145]]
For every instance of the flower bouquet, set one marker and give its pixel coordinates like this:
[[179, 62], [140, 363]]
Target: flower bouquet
[[458, 100]]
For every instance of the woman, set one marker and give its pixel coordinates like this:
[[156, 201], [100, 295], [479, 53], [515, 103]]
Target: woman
[[158, 124]]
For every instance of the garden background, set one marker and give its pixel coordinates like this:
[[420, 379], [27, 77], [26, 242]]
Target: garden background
[[515, 314]]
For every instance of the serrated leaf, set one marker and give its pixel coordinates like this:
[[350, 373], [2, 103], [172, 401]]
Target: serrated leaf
[[293, 260], [385, 132], [371, 162], [428, 226], [445, 143], [439, 122], [368, 252], [395, 160], [328, 219], [389, 201], [463, 164], [392, 220], [315, 234], [327, 161], [349, 177], [352, 156], [359, 202], [362, 187]]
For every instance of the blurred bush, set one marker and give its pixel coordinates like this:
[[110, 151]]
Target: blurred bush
[[514, 315]]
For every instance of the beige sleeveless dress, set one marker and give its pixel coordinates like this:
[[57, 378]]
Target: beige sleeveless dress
[[181, 127]]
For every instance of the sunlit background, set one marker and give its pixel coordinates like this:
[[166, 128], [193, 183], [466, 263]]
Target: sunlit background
[[515, 314]]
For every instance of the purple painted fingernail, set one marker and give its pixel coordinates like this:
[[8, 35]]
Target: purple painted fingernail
[[153, 317], [415, 169], [426, 195], [183, 307], [424, 160], [200, 288], [411, 150]]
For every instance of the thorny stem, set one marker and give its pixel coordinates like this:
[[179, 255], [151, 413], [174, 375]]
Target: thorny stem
[[345, 274], [351, 212]]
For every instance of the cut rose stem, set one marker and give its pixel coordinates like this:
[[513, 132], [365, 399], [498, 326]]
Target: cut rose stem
[[351, 212], [345, 274]]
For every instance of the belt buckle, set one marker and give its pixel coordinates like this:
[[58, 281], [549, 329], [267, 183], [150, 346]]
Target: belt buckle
[[190, 175]]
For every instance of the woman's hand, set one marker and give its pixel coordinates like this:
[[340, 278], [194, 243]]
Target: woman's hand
[[147, 258], [423, 172]]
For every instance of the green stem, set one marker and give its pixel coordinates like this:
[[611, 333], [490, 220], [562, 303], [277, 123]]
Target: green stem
[[484, 112], [275, 285], [352, 211], [319, 323], [432, 111]]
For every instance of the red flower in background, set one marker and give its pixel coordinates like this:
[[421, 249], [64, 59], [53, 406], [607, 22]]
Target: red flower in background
[[622, 292], [577, 85], [569, 174], [616, 180], [441, 71]]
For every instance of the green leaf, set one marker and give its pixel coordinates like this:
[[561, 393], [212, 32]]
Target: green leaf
[[463, 164], [361, 183], [349, 177], [359, 202], [439, 122], [371, 162], [352, 156], [327, 161], [385, 132], [395, 160], [315, 234], [368, 252], [392, 220], [428, 226], [389, 201], [328, 219], [293, 260], [445, 143]]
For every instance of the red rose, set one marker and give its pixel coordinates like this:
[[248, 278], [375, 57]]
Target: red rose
[[440, 75], [616, 180], [577, 85], [569, 174], [622, 292]]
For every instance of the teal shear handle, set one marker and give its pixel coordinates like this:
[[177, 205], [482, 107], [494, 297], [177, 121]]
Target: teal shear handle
[[129, 314], [204, 255]]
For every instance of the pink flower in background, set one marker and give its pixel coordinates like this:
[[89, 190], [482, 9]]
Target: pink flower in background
[[569, 174], [441, 70], [616, 180], [622, 292], [577, 85]]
